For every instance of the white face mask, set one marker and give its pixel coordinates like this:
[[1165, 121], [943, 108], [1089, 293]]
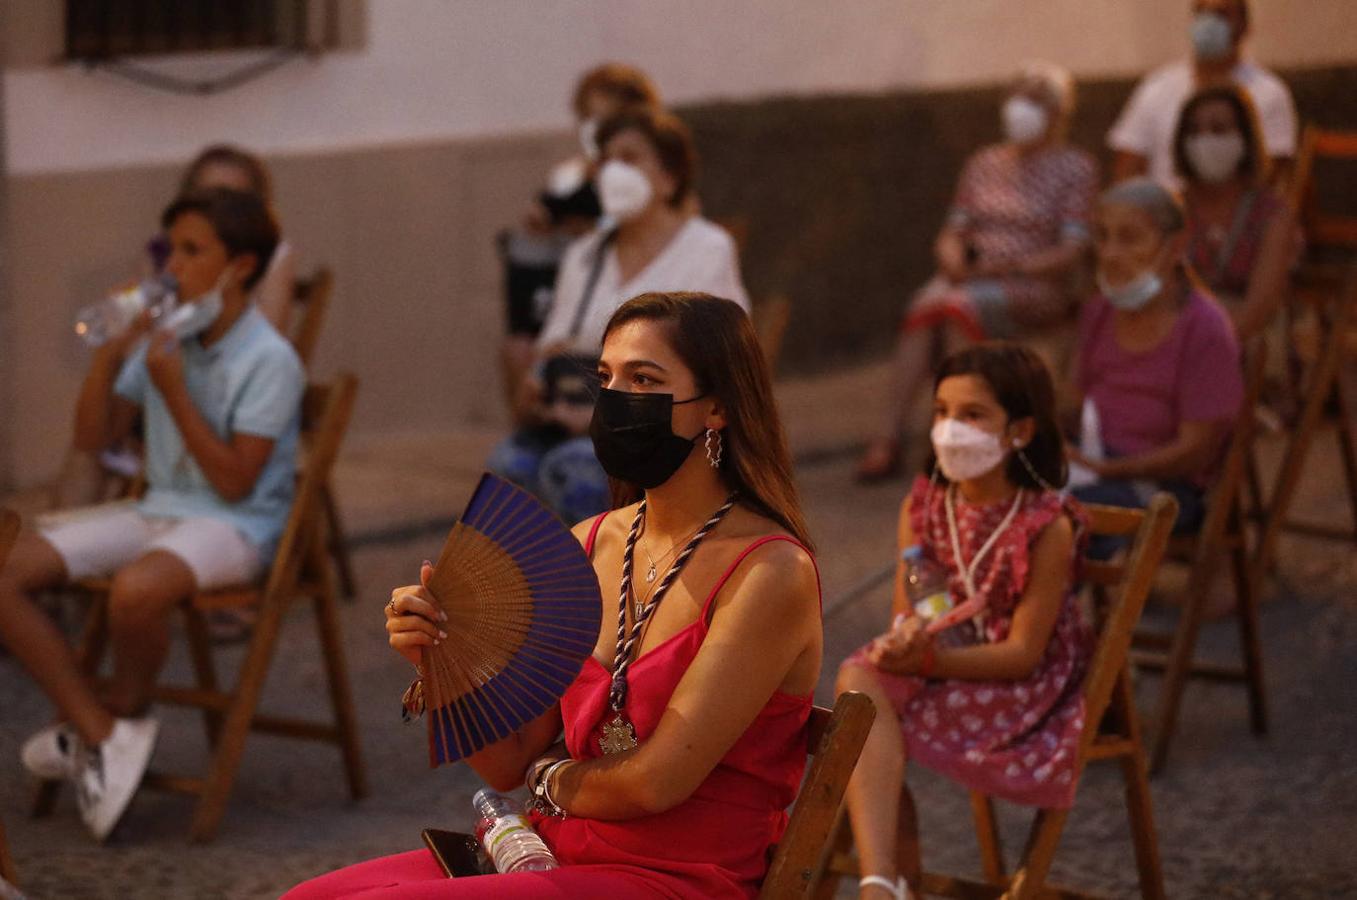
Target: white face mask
[[589, 138], [964, 451], [1215, 157], [1134, 294], [194, 317], [1025, 120], [623, 190], [1212, 36]]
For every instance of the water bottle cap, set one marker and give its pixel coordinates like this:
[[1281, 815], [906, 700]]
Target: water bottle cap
[[912, 553]]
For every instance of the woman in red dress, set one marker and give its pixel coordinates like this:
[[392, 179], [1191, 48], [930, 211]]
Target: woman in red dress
[[683, 794]]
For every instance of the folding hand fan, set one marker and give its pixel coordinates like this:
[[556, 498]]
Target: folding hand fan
[[523, 609]]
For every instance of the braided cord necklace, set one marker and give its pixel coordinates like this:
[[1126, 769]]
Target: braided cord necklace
[[618, 734]]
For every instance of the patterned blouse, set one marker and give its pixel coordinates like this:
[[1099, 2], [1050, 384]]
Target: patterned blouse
[[1009, 206]]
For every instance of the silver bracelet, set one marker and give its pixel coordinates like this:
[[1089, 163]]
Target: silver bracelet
[[552, 807]]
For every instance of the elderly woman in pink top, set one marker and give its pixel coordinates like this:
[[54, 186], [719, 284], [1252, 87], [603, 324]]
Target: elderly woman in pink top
[[1158, 359]]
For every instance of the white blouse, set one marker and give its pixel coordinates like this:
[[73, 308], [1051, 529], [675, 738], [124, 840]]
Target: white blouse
[[700, 257]]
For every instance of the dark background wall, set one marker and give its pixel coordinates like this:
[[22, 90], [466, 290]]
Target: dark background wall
[[843, 196]]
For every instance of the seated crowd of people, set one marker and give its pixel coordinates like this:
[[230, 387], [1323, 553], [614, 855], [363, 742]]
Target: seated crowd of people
[[642, 407]]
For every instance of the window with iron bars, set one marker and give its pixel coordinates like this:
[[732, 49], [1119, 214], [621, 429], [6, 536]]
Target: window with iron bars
[[102, 30]]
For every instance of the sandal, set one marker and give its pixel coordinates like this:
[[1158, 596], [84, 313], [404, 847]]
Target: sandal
[[899, 888]]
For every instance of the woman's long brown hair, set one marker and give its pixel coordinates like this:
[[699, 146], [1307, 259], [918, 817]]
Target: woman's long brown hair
[[716, 340]]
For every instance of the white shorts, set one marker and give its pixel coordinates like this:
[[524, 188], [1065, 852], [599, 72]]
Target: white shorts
[[97, 541]]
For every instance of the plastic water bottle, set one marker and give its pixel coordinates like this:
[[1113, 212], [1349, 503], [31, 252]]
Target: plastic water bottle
[[509, 840], [927, 590], [111, 316]]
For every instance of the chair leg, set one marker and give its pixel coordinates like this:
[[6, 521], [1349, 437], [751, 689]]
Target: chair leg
[[1293, 461], [987, 836], [1030, 879], [1181, 654], [236, 726], [1347, 451], [1139, 807], [200, 650], [840, 844], [332, 650], [1250, 645], [338, 543]]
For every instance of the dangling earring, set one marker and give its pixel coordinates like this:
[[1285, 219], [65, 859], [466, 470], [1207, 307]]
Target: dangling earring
[[714, 456]]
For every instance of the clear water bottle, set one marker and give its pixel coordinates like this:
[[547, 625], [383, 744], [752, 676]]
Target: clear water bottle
[[926, 588], [509, 840], [111, 316]]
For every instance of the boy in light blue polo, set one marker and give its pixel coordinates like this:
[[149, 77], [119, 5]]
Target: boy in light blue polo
[[219, 392]]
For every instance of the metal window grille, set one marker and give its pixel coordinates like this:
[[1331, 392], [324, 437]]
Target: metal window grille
[[108, 29]]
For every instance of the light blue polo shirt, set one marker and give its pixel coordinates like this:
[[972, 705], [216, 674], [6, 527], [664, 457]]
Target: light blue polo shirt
[[248, 382]]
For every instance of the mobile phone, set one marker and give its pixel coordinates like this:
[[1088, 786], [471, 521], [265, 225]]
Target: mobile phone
[[458, 854]]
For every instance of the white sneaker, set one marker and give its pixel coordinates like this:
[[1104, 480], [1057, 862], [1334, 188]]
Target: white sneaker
[[110, 772], [52, 752]]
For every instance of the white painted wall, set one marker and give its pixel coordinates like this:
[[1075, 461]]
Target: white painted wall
[[440, 69]]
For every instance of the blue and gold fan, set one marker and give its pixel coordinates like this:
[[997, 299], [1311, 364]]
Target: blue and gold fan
[[523, 609]]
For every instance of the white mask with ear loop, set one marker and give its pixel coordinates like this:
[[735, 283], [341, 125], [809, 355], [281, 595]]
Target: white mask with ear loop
[[1025, 120], [623, 190], [964, 451], [1215, 157], [193, 318], [1134, 294], [1212, 36]]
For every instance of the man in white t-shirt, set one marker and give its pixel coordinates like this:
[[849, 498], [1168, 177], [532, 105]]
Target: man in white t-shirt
[[1143, 134]]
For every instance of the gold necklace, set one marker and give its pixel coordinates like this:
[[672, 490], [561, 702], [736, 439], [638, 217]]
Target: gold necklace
[[653, 572]]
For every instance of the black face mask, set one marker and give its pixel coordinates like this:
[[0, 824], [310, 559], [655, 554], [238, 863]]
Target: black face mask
[[633, 438]]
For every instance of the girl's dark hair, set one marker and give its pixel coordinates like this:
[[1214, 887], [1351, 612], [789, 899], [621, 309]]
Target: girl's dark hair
[[227, 155], [1022, 385], [243, 222], [1255, 163], [716, 341], [665, 132], [626, 84]]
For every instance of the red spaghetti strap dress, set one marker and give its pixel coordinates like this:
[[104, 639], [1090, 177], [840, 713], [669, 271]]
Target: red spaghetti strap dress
[[714, 844]]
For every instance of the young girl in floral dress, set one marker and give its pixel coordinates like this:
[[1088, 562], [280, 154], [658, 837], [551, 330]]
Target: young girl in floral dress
[[997, 707]]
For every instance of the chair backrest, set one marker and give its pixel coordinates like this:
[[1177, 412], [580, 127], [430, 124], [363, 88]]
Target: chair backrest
[[834, 741], [1130, 581], [1322, 228], [311, 297], [9, 532], [326, 409]]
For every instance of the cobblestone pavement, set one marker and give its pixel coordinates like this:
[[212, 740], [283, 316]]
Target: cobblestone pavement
[[1238, 816]]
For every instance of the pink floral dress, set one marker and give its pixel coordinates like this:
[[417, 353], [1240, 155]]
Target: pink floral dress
[[1013, 739]]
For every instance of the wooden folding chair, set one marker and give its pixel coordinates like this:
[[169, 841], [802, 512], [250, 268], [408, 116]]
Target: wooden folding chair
[[1223, 531], [311, 297], [1325, 283], [299, 570], [834, 741], [9, 530], [1111, 730]]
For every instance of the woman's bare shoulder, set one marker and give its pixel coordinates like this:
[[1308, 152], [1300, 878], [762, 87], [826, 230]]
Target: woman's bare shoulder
[[613, 527]]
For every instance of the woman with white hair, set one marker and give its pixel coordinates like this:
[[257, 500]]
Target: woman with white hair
[[1158, 360], [1018, 225]]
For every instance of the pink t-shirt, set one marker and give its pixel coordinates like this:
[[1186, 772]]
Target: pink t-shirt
[[1193, 375]]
